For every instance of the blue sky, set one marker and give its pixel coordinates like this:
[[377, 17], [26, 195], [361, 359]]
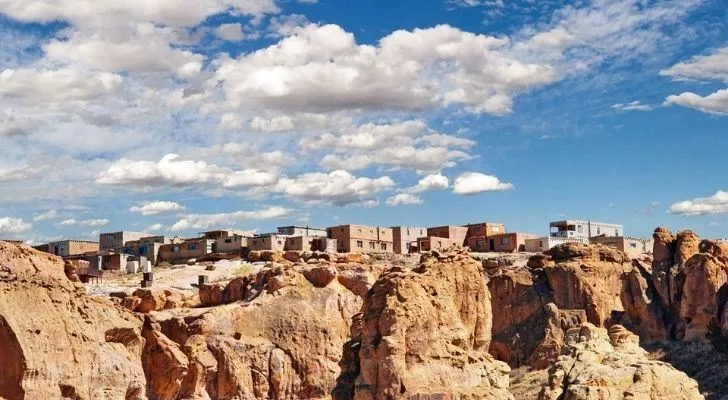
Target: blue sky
[[173, 117]]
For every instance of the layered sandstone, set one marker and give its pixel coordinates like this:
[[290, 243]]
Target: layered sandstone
[[596, 364], [55, 342], [425, 333]]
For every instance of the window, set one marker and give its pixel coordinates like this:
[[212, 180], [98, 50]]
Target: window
[[599, 230], [616, 232], [540, 244], [342, 229], [633, 245], [228, 240], [580, 229], [371, 245], [175, 249], [384, 246], [280, 242], [192, 246], [359, 244], [359, 230], [480, 244], [504, 240]]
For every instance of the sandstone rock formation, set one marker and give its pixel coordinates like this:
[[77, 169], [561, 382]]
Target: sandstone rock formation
[[55, 342], [599, 365], [424, 333]]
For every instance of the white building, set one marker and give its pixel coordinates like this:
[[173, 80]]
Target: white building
[[539, 245], [584, 229]]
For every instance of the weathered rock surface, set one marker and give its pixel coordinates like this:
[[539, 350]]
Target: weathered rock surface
[[424, 333], [56, 342], [600, 365]]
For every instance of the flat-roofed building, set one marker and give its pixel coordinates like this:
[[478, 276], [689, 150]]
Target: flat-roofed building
[[405, 238], [302, 231], [511, 242], [268, 241], [456, 233], [117, 240], [584, 229], [436, 243], [231, 244], [362, 238], [545, 243], [299, 243], [181, 252], [485, 229], [66, 248], [634, 247]]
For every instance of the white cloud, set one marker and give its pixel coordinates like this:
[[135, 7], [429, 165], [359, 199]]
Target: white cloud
[[420, 159], [404, 199], [430, 183], [632, 106], [154, 228], [48, 215], [323, 68], [157, 207], [338, 187], [222, 220], [172, 171], [55, 86], [230, 32], [715, 204], [366, 137], [88, 222], [708, 67], [715, 103], [14, 225], [166, 12], [470, 183]]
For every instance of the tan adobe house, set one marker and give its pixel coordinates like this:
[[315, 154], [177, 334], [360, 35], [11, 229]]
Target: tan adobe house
[[362, 239], [456, 233], [405, 238]]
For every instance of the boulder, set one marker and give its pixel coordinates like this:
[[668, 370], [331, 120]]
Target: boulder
[[165, 365], [150, 300], [596, 364], [357, 258]]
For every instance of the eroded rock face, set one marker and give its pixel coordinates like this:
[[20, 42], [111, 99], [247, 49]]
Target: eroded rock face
[[705, 277], [277, 334], [596, 364], [425, 334], [55, 342], [587, 277]]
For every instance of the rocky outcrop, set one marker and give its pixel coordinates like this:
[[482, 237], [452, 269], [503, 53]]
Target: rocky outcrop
[[55, 342], [596, 364], [424, 333], [702, 298]]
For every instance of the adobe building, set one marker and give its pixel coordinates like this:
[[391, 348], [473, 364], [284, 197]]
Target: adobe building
[[117, 240], [632, 246], [545, 243], [511, 242], [269, 241], [485, 229], [181, 252], [435, 243], [67, 248], [405, 238], [324, 245], [231, 244], [299, 243], [456, 233], [302, 231], [362, 239]]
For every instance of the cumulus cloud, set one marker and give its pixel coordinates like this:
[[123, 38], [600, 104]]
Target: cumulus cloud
[[321, 67], [55, 86], [337, 187], [714, 103], [14, 225], [172, 171], [702, 68], [470, 183], [430, 183], [715, 204], [207, 221], [632, 106], [156, 208], [404, 199], [230, 32]]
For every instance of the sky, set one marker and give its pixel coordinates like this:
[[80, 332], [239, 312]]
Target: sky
[[176, 116]]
